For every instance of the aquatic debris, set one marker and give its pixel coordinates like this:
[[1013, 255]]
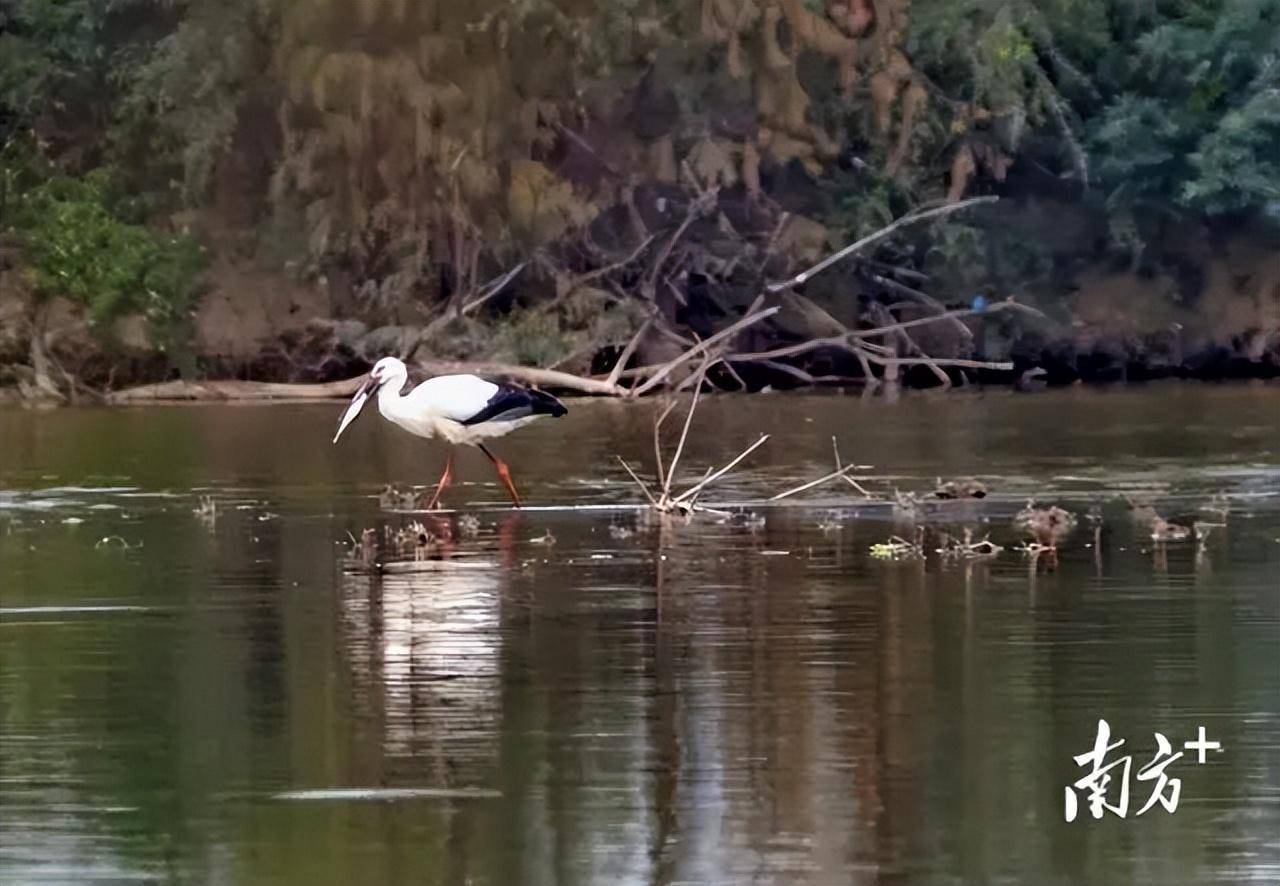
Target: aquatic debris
[[1034, 549], [365, 550], [1162, 531], [769, 553], [1033, 379], [965, 487], [413, 538], [906, 507], [451, 564], [1219, 506], [897, 548], [1047, 526], [619, 532], [392, 498], [468, 525], [1203, 529], [1145, 517], [73, 521], [368, 547], [545, 539], [831, 523], [207, 509], [968, 548], [749, 519], [1141, 511], [685, 503], [114, 541], [841, 472], [387, 794]]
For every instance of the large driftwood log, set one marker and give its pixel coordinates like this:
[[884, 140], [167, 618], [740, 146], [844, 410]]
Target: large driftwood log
[[212, 391]]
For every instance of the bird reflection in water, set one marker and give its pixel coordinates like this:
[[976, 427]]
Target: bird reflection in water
[[423, 635]]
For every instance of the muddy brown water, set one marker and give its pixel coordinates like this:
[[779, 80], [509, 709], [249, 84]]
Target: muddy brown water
[[581, 696]]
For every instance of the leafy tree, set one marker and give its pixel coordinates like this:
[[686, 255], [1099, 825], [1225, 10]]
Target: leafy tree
[[1194, 123], [76, 246]]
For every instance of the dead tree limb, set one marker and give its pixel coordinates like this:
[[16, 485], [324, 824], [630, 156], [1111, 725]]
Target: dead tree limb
[[923, 298], [627, 352], [661, 372], [910, 218]]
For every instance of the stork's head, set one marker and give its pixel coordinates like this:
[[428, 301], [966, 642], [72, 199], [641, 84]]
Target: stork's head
[[387, 371]]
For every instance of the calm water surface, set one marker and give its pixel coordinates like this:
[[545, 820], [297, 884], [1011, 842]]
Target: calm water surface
[[565, 697]]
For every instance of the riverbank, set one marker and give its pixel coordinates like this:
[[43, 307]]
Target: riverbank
[[258, 334]]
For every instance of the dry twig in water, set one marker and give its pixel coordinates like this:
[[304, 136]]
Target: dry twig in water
[[684, 502]]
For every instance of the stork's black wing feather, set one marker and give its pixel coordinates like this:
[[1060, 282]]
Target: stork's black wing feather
[[512, 401]]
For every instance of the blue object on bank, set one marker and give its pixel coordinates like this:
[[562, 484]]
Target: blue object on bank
[[979, 303]]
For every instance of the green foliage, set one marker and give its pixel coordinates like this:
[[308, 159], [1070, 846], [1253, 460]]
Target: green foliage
[[181, 99], [533, 337], [49, 53], [1197, 123], [864, 202], [77, 246]]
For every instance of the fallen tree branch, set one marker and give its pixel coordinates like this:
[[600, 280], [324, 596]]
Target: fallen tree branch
[[661, 372], [630, 349], [852, 341], [838, 472], [684, 433], [212, 391], [910, 218], [609, 269], [639, 482], [710, 478], [924, 299], [835, 451], [532, 375]]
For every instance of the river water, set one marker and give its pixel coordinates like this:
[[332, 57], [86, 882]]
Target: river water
[[564, 696]]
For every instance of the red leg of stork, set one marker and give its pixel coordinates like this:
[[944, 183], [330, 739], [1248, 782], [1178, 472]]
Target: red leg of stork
[[445, 479], [504, 474]]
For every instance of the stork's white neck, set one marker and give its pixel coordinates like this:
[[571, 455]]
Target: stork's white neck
[[389, 393], [397, 408]]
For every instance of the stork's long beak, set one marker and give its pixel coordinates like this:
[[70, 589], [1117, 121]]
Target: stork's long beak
[[357, 403]]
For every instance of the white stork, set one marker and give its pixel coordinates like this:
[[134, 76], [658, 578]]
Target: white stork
[[459, 409]]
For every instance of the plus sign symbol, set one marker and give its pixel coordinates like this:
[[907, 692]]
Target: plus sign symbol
[[1202, 744]]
